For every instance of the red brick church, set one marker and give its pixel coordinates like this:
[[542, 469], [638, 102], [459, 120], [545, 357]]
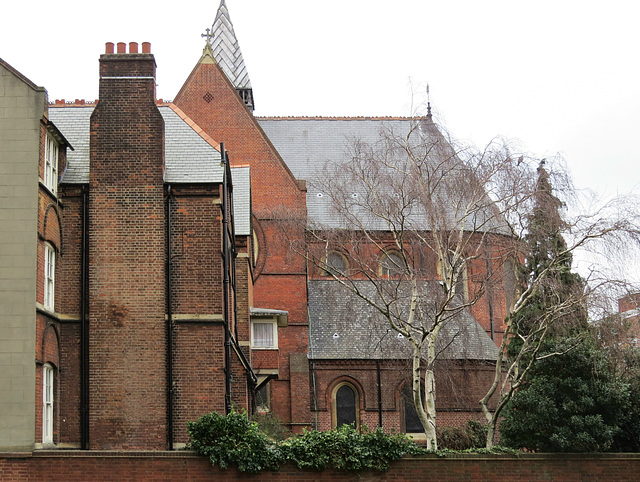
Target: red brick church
[[145, 280]]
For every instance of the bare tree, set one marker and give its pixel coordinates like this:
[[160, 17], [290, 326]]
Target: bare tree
[[418, 229], [416, 223]]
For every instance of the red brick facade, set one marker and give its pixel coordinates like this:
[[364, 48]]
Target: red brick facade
[[279, 278], [129, 208], [143, 258]]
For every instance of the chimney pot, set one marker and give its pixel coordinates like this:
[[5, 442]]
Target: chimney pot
[[122, 48], [133, 47], [146, 47], [109, 48]]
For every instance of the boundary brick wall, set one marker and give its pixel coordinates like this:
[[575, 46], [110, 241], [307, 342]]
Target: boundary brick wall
[[168, 466]]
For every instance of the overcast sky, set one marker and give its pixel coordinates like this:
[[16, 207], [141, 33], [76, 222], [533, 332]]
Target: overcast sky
[[560, 76]]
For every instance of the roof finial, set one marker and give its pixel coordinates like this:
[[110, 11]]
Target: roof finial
[[208, 35], [428, 102]]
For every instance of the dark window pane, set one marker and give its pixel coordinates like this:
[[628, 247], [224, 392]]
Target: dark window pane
[[411, 421], [345, 406]]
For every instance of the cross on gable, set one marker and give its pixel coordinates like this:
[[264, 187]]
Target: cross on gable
[[208, 35]]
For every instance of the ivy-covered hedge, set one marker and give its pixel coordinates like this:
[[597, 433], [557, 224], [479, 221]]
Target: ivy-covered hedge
[[235, 440]]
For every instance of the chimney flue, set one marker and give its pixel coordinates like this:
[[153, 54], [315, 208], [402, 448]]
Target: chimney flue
[[133, 47], [122, 48], [109, 48], [146, 47]]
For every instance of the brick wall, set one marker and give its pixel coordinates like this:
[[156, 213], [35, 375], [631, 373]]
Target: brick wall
[[279, 279], [459, 385], [198, 373], [170, 466], [126, 268]]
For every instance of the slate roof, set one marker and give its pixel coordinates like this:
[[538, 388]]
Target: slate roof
[[343, 326], [308, 144], [190, 155], [226, 49], [73, 122]]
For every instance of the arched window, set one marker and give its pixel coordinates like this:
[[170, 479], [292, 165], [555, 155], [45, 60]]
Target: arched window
[[47, 403], [392, 264], [345, 405], [335, 263], [256, 247], [410, 421]]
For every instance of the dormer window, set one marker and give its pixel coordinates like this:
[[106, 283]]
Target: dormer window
[[51, 164]]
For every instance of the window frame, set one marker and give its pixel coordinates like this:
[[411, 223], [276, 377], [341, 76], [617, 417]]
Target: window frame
[[266, 406], [48, 380], [334, 403], [51, 159], [384, 271], [49, 294], [325, 272], [274, 325], [406, 398]]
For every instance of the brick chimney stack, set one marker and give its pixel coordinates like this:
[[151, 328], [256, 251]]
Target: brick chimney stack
[[127, 346]]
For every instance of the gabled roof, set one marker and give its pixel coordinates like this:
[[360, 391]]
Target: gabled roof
[[343, 326], [226, 49]]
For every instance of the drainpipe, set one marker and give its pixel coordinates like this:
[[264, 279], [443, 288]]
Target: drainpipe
[[169, 323], [379, 394], [489, 290], [311, 356], [225, 268], [84, 322]]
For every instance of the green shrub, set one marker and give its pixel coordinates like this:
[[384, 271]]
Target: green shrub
[[472, 435], [233, 440], [270, 425], [347, 449]]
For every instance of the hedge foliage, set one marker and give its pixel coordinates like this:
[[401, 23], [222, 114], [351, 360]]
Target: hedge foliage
[[236, 440]]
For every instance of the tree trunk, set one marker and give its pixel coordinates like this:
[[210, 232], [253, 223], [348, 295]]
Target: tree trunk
[[427, 410]]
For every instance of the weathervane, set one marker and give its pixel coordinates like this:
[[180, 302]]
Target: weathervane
[[428, 102]]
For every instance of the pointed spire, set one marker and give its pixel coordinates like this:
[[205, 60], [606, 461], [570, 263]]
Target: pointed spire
[[428, 102], [226, 51]]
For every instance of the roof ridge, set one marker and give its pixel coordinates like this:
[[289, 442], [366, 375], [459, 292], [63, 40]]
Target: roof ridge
[[191, 123], [348, 118], [92, 103]]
